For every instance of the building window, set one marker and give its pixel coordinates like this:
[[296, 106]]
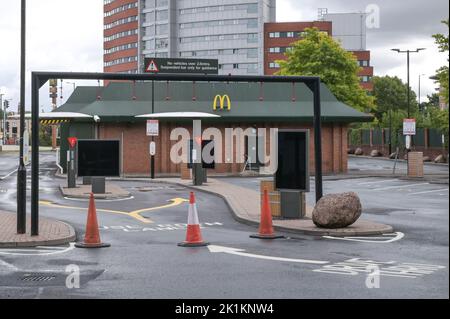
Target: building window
[[162, 15], [121, 9], [162, 43], [162, 3], [121, 61], [149, 4], [275, 50], [121, 35], [363, 63], [213, 23], [120, 22], [274, 65], [127, 46], [274, 34], [365, 79], [162, 29]]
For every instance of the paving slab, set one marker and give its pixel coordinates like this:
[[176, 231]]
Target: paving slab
[[84, 191], [51, 232]]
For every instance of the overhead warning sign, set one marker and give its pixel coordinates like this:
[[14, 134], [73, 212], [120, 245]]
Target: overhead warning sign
[[193, 66], [152, 67]]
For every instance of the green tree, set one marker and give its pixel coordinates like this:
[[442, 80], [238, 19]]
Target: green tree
[[391, 94], [442, 73], [433, 100], [317, 54], [45, 135]]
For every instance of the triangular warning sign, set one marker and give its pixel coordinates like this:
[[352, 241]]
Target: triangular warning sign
[[152, 67]]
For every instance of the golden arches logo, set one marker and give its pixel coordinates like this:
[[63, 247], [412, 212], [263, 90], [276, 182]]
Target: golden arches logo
[[221, 99]]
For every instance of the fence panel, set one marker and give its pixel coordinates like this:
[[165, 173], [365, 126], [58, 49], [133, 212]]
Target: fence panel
[[377, 137], [435, 138], [419, 139], [365, 137]]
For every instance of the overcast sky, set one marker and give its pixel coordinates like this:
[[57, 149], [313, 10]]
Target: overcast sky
[[66, 35]]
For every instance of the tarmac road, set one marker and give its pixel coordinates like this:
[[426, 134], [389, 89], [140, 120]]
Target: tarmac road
[[144, 260]]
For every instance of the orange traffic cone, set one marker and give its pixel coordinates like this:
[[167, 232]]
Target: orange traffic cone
[[92, 236], [193, 234], [265, 226]]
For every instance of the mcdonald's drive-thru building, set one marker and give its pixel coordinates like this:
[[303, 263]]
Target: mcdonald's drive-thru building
[[239, 107]]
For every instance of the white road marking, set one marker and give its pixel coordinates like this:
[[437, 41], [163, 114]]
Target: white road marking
[[8, 175], [355, 266], [399, 186], [432, 191], [160, 227], [36, 252], [378, 182], [99, 199], [398, 236], [240, 252], [8, 265]]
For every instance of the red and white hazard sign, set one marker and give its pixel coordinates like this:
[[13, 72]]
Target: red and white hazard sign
[[152, 67]]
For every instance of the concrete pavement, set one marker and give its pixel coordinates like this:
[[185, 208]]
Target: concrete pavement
[[245, 206], [83, 191]]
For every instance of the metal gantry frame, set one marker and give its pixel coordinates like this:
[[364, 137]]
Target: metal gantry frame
[[38, 79]]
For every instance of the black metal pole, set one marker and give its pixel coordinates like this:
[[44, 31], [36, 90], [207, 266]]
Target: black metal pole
[[408, 92], [152, 157], [35, 85], [21, 170], [390, 132], [317, 140]]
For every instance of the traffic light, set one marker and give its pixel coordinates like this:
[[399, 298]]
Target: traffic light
[[6, 103], [7, 126]]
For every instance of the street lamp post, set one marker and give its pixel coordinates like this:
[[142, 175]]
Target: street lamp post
[[420, 75], [407, 63], [21, 170]]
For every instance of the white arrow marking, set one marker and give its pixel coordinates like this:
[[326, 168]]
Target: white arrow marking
[[240, 252], [8, 265], [38, 252], [398, 236]]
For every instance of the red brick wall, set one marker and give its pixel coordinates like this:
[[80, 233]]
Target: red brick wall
[[136, 158]]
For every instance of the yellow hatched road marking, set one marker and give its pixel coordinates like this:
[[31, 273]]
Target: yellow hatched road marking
[[136, 214]]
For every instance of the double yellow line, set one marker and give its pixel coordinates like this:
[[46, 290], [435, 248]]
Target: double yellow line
[[136, 214]]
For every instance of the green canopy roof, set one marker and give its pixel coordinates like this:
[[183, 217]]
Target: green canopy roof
[[120, 101]]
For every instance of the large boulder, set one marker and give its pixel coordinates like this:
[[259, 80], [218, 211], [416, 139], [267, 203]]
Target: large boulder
[[349, 151], [359, 151], [426, 159], [376, 153], [440, 159], [337, 210]]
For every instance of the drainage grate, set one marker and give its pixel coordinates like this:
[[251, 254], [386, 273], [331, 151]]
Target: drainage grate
[[37, 278]]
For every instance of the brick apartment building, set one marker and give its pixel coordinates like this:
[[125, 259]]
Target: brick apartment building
[[120, 36], [279, 36]]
